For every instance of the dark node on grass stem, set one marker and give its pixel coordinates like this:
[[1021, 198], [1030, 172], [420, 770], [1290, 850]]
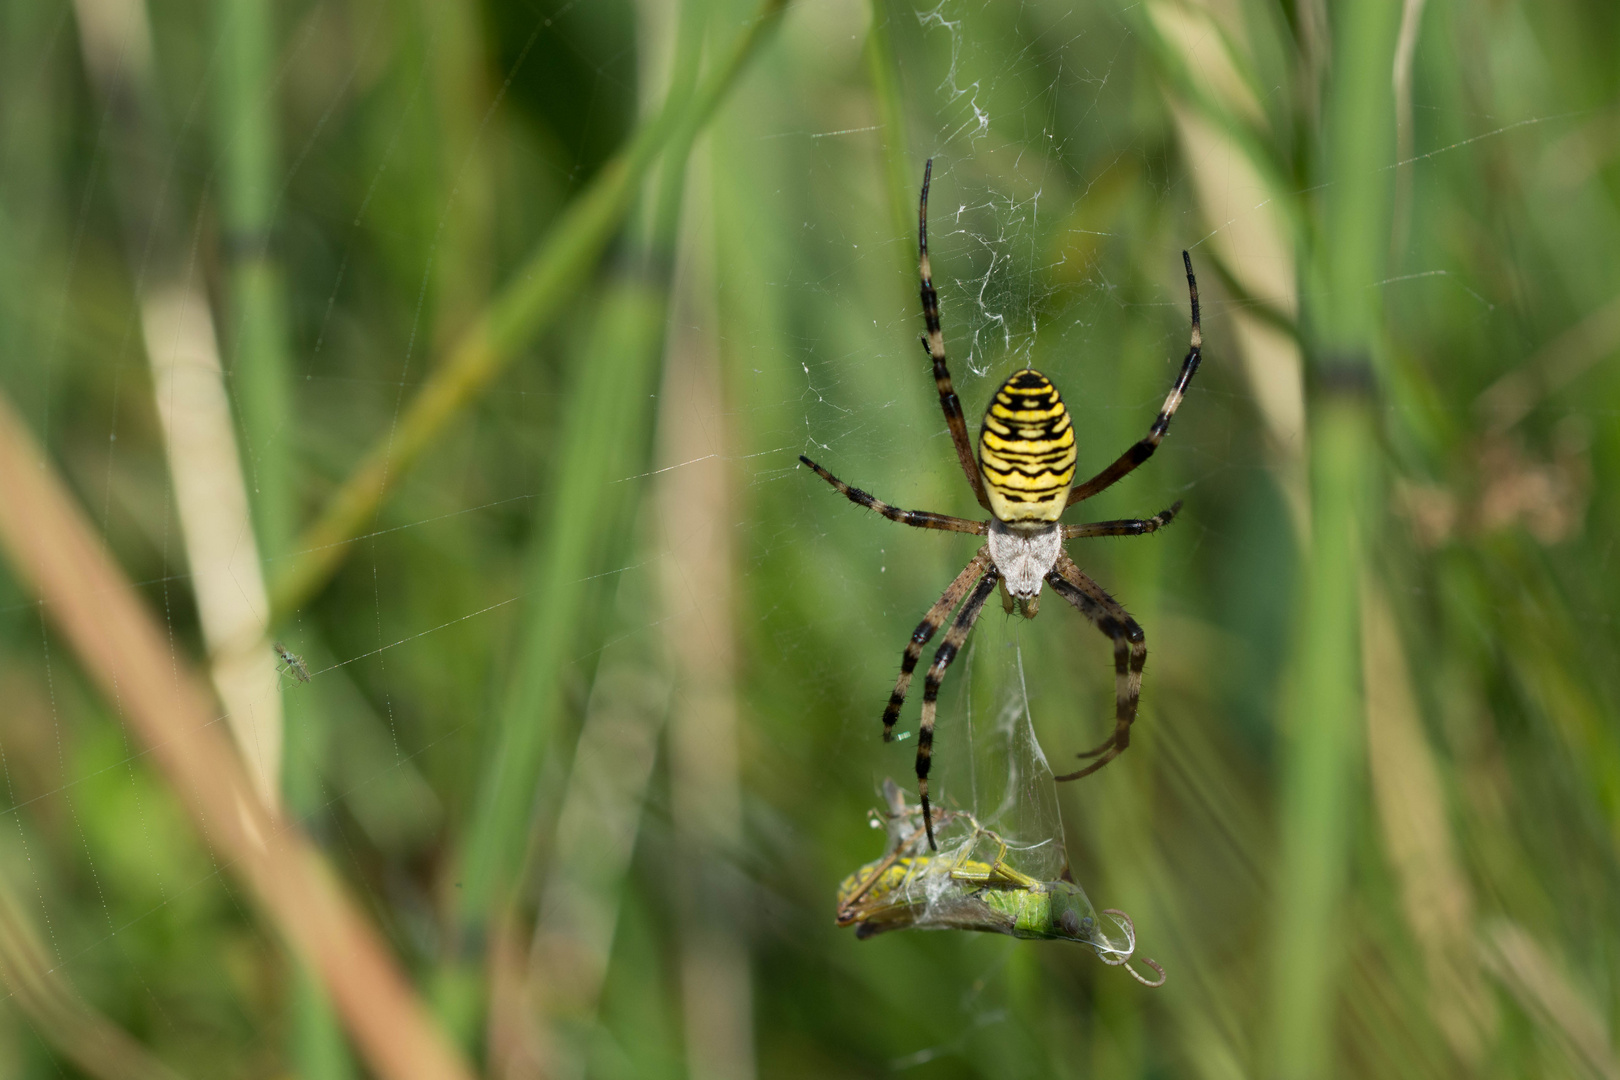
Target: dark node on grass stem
[[1345, 375], [246, 245]]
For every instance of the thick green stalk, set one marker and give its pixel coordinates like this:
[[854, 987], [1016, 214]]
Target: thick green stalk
[[539, 293], [258, 361], [1320, 783], [1321, 760], [257, 341]]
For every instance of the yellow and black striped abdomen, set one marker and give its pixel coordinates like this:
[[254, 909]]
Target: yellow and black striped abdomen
[[1026, 450]]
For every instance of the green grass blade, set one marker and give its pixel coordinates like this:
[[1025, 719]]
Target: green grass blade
[[538, 294], [1320, 782], [605, 423], [608, 413], [900, 172], [261, 380]]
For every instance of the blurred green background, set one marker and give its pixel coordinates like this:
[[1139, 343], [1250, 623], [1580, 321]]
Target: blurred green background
[[597, 676]]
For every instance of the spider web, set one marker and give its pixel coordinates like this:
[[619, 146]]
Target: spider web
[[999, 773], [1040, 167], [1024, 254]]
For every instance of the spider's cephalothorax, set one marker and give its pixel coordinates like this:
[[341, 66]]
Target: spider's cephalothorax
[[1024, 476]]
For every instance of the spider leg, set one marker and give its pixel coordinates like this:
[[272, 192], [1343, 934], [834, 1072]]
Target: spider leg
[[1127, 527], [934, 342], [925, 630], [936, 674], [1130, 654], [921, 519], [1143, 450]]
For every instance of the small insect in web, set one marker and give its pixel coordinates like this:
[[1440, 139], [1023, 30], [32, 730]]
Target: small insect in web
[[1023, 475], [291, 662]]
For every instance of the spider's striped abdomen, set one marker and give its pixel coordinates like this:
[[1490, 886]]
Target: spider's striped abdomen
[[1026, 450]]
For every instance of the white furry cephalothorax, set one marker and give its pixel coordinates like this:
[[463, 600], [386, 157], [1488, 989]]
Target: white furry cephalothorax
[[1024, 556]]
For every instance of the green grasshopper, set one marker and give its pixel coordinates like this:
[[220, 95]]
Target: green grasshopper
[[914, 888]]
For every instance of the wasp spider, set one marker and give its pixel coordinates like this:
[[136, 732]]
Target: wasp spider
[[1023, 475]]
